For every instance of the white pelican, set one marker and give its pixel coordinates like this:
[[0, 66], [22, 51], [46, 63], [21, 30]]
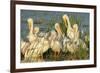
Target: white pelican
[[37, 47], [42, 47], [45, 46], [70, 32], [34, 42], [76, 32], [32, 37], [59, 31], [36, 30], [56, 45], [73, 35], [30, 26], [64, 17]]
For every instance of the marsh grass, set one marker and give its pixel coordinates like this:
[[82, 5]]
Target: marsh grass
[[81, 54]]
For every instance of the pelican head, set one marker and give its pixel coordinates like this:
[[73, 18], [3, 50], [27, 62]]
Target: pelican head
[[36, 30], [57, 25], [30, 24], [58, 29], [75, 27], [66, 19]]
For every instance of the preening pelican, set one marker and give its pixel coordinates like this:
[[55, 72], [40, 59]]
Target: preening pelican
[[65, 21], [70, 32], [73, 35], [56, 45], [58, 29]]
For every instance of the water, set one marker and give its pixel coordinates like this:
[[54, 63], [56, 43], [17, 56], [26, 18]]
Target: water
[[46, 19]]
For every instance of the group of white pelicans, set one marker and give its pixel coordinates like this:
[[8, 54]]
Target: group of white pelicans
[[55, 40]]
